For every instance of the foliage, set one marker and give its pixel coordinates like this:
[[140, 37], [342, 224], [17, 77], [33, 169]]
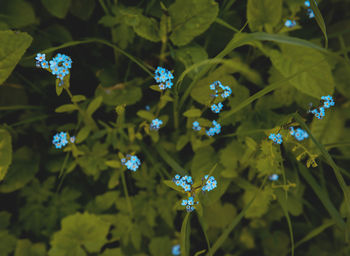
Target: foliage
[[237, 111]]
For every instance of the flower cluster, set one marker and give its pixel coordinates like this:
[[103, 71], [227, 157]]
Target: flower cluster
[[277, 138], [273, 177], [196, 126], [156, 123], [58, 66], [224, 90], [214, 130], [61, 139], [216, 108], [163, 77], [309, 10], [210, 183], [176, 250], [185, 182], [132, 163], [327, 103], [299, 134], [189, 203], [290, 23]]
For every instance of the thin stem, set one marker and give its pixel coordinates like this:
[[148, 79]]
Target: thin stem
[[128, 201]]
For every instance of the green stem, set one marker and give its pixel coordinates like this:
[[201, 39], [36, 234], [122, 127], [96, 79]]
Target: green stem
[[128, 201]]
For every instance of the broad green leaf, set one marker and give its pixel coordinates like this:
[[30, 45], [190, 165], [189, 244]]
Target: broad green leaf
[[5, 152], [185, 235], [24, 166], [202, 162], [219, 215], [17, 13], [59, 88], [147, 28], [83, 134], [112, 252], [79, 230], [262, 13], [125, 35], [25, 248], [12, 47], [94, 105], [145, 115], [82, 8], [103, 202], [58, 33], [276, 244], [66, 108], [229, 158], [114, 180], [194, 112], [260, 205], [316, 81], [8, 243], [129, 96], [191, 55], [190, 18], [160, 246], [182, 141], [172, 185], [342, 77], [77, 98], [58, 9]]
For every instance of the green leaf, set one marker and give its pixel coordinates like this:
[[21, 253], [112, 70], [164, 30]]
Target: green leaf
[[5, 152], [147, 28], [185, 235], [202, 162], [22, 170], [145, 115], [194, 112], [229, 158], [4, 219], [8, 242], [26, 248], [172, 185], [317, 81], [66, 108], [219, 215], [190, 18], [12, 45], [82, 8], [160, 246], [191, 55], [112, 252], [264, 13], [83, 134], [114, 180], [77, 98], [79, 230], [94, 105], [182, 141], [260, 206], [113, 163], [58, 9], [59, 88], [129, 95], [319, 20], [18, 13]]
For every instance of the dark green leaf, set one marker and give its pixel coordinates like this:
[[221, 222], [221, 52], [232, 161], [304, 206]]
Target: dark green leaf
[[66, 108], [58, 9], [82, 8], [5, 152], [262, 13]]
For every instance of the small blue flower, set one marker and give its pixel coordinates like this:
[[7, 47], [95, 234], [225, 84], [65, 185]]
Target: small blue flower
[[133, 163], [176, 250], [147, 108], [214, 130], [72, 139], [195, 126], [273, 177], [319, 113], [60, 140], [40, 57], [307, 3], [290, 23], [156, 123], [311, 13], [44, 64], [227, 92], [210, 184], [276, 138]]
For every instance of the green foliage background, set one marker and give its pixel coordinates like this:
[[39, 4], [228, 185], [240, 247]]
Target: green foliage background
[[81, 201]]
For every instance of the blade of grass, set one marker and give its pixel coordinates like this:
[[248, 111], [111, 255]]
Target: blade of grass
[[218, 243], [200, 252], [329, 160], [185, 236], [320, 21], [315, 232], [322, 196], [201, 221], [169, 160], [17, 107]]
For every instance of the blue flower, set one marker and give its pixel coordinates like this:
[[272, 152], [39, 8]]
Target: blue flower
[[196, 126], [72, 139], [44, 64], [185, 182], [273, 177], [133, 163], [176, 250], [290, 23], [147, 108], [60, 140], [276, 138], [40, 57], [164, 77], [227, 92], [210, 184], [156, 123], [311, 14], [300, 134], [216, 108], [319, 113], [307, 3], [214, 130]]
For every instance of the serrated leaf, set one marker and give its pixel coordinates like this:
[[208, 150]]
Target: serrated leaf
[[145, 115], [263, 13], [78, 98], [58, 9], [79, 230], [66, 108], [94, 105], [190, 18], [83, 134], [195, 112], [12, 45]]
